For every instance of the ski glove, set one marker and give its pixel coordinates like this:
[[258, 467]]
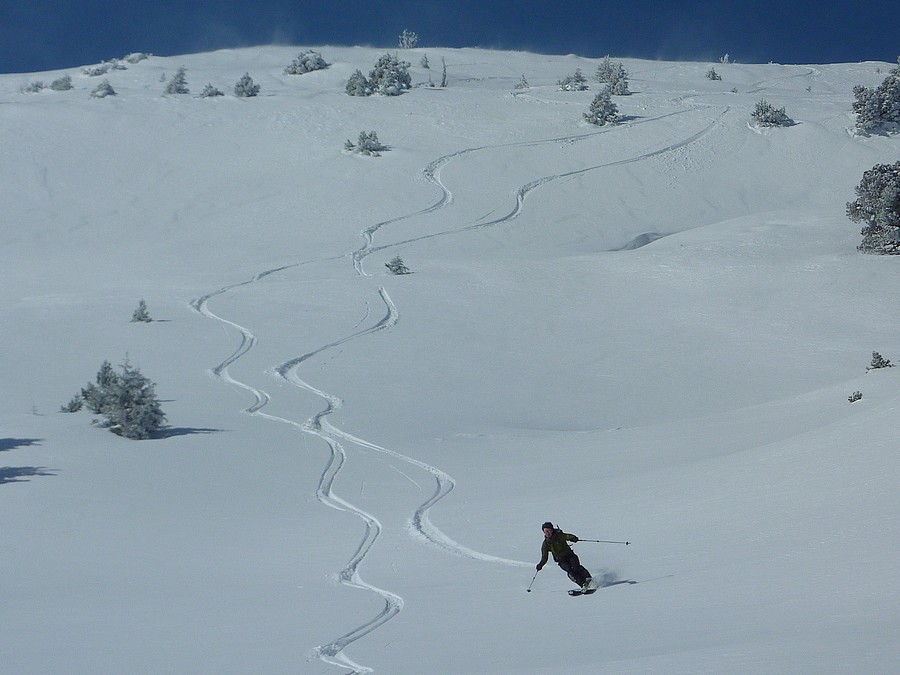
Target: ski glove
[[574, 539], [539, 567]]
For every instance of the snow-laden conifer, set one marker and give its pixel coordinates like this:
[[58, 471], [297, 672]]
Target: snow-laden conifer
[[209, 91], [390, 76], [574, 82], [63, 83], [602, 110], [878, 109], [358, 85], [141, 315], [767, 115], [94, 394], [103, 90], [408, 39], [132, 409], [178, 83], [246, 87], [367, 144], [397, 266], [306, 62], [878, 206]]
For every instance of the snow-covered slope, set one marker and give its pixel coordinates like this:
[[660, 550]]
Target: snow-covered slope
[[646, 332]]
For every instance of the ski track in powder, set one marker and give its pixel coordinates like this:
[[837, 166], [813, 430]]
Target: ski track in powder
[[432, 175], [419, 524]]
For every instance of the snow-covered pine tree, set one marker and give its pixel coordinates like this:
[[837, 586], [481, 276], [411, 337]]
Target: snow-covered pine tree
[[95, 394], [397, 266], [767, 115], [63, 83], [306, 62], [210, 91], [878, 361], [74, 405], [178, 83], [390, 76], [141, 314], [132, 409], [103, 90], [879, 108], [358, 85], [408, 39], [246, 87], [368, 144], [878, 206], [602, 110], [609, 71], [522, 84], [574, 82], [711, 74]]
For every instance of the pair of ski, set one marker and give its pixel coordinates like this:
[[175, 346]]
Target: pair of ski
[[582, 591]]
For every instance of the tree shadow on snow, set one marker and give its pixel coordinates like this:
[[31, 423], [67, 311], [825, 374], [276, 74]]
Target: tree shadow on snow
[[170, 432], [20, 474], [10, 443]]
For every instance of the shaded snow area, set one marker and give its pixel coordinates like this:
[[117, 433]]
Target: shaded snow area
[[644, 332]]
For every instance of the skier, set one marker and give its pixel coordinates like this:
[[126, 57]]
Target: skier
[[557, 542]]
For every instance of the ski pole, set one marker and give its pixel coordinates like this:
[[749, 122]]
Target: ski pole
[[528, 590], [603, 541]]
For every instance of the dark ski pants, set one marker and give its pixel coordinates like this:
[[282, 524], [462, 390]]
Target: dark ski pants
[[572, 566]]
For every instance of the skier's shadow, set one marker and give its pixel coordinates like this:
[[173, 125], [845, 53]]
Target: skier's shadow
[[617, 583]]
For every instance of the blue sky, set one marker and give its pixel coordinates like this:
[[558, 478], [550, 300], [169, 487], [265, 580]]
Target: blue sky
[[48, 34]]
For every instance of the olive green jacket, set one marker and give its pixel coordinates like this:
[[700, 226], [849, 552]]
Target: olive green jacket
[[558, 545]]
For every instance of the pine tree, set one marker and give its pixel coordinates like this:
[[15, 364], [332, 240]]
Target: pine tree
[[767, 115], [132, 409], [358, 85], [576, 82], [408, 39], [397, 266], [246, 87], [306, 62], [95, 394], [390, 76], [141, 314], [602, 111], [878, 108], [368, 144], [103, 90], [178, 83], [210, 91], [64, 83], [878, 361], [878, 206]]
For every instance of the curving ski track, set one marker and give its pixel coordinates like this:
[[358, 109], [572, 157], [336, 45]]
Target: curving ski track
[[419, 524], [432, 175]]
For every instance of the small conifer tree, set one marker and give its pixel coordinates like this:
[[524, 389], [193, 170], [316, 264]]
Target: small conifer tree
[[575, 82], [602, 111], [878, 361], [178, 83], [408, 39], [209, 91], [141, 314], [878, 206], [103, 90], [397, 266], [246, 87], [767, 115]]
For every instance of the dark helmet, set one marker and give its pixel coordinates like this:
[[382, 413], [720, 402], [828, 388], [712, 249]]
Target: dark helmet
[[546, 525]]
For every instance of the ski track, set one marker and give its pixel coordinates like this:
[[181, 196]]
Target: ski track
[[432, 175], [419, 524]]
